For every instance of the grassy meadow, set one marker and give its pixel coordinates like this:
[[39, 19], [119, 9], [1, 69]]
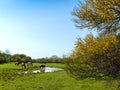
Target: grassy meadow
[[59, 80]]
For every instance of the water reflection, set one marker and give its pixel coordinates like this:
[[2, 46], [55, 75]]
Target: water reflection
[[46, 69]]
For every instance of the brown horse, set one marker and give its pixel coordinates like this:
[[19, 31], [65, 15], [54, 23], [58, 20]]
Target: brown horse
[[17, 63], [23, 65]]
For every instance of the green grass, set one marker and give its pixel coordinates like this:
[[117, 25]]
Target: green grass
[[13, 66], [59, 80], [59, 65], [9, 65]]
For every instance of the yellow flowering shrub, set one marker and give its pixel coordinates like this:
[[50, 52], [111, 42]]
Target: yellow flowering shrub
[[95, 54], [100, 14], [91, 45]]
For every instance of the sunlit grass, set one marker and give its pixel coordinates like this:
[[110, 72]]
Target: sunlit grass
[[52, 81], [9, 65], [13, 66], [59, 65], [59, 80]]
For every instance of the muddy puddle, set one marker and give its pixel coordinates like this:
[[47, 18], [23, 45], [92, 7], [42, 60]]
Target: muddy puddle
[[46, 69]]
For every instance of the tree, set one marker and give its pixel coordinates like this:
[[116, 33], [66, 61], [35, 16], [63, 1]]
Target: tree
[[101, 14], [21, 58], [54, 59], [94, 56], [54, 56], [16, 57], [2, 57], [26, 59], [7, 52], [8, 56]]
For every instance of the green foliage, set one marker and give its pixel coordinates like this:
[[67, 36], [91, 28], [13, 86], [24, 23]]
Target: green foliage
[[4, 57], [21, 58], [52, 59], [80, 70]]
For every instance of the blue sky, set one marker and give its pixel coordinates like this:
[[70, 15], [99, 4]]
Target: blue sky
[[38, 28]]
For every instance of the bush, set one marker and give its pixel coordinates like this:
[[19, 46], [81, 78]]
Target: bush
[[108, 62], [80, 70], [95, 56]]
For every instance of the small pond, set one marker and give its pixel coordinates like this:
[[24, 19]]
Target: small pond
[[47, 69]]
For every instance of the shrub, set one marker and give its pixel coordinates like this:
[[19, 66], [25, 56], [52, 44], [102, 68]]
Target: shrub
[[95, 56]]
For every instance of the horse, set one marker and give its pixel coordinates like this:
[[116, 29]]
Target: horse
[[42, 67], [17, 63], [23, 65], [29, 64]]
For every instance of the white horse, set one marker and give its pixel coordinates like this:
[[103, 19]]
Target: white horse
[[29, 64], [23, 65]]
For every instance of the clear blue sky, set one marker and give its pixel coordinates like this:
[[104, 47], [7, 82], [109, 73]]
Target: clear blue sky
[[38, 28]]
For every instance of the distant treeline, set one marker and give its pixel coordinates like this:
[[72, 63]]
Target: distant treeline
[[7, 57], [51, 60]]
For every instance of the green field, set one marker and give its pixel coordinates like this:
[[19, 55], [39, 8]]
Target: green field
[[59, 80]]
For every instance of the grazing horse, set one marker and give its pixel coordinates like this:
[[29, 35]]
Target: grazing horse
[[17, 63], [23, 65], [42, 66], [29, 64]]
